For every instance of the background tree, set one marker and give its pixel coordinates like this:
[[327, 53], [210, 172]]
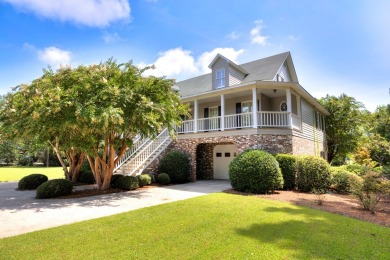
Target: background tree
[[344, 125], [381, 121]]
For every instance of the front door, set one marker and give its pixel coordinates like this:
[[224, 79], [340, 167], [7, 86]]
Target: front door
[[223, 155], [214, 120], [246, 110]]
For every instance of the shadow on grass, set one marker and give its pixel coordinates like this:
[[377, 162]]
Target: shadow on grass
[[312, 234]]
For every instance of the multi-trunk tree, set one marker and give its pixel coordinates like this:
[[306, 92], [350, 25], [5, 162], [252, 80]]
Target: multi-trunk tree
[[93, 111]]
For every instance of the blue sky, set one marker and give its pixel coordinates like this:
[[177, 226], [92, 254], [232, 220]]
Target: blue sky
[[337, 46]]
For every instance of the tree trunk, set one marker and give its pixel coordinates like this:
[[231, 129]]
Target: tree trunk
[[74, 168], [103, 167], [59, 156]]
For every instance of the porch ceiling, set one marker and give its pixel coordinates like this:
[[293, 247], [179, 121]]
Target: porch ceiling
[[267, 92]]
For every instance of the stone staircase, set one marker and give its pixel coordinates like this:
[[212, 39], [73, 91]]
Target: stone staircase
[[142, 154]]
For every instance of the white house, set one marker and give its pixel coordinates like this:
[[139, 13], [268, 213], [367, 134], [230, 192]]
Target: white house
[[259, 104]]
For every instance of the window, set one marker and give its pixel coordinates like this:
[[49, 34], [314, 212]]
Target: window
[[246, 107], [283, 106], [220, 78], [227, 154], [219, 154], [279, 78]]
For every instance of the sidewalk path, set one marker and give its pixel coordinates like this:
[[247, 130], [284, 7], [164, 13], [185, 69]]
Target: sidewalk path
[[21, 213]]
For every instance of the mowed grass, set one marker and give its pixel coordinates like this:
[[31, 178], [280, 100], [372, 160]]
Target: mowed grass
[[215, 226], [16, 173]]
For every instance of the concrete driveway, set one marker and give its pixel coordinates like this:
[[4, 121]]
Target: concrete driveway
[[21, 213]]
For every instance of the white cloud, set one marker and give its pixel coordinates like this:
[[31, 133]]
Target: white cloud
[[293, 38], [111, 37], [207, 57], [173, 62], [233, 36], [256, 37], [54, 56], [94, 13], [181, 64]]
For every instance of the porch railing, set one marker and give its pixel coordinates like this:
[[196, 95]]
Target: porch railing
[[243, 120], [273, 119]]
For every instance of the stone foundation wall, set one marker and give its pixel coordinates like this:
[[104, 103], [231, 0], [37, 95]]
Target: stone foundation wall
[[200, 150], [303, 146], [270, 143]]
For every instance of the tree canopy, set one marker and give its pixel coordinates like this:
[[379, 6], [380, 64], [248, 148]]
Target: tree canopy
[[344, 125], [94, 111]]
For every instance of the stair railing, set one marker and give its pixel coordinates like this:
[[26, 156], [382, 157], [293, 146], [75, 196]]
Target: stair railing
[[137, 145], [148, 150]]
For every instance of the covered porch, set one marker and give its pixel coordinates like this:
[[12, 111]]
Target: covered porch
[[250, 108]]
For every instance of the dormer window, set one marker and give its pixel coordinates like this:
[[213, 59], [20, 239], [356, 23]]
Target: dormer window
[[220, 78]]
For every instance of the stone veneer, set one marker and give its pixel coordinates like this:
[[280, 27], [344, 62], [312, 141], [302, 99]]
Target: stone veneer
[[308, 147], [271, 143], [200, 150]]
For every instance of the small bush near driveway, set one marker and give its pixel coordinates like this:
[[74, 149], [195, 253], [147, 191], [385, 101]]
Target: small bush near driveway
[[32, 181], [54, 188]]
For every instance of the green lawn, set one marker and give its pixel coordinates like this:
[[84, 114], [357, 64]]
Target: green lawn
[[216, 226], [16, 173]]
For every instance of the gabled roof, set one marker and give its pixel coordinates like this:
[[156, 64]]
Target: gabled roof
[[258, 70], [231, 63]]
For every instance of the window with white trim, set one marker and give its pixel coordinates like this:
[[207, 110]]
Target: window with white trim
[[220, 78], [283, 106]]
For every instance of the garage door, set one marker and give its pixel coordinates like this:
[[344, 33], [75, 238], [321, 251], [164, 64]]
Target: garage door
[[223, 155]]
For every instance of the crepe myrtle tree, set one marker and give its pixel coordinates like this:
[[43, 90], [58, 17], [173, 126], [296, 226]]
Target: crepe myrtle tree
[[43, 112], [97, 111], [123, 104]]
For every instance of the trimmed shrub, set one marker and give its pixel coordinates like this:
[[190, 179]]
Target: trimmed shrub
[[32, 181], [126, 183], [356, 168], [54, 188], [255, 171], [144, 179], [288, 166], [371, 190], [163, 179], [342, 180], [87, 177], [313, 174], [114, 178], [177, 165]]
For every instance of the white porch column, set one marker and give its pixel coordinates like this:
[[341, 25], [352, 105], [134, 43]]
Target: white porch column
[[254, 107], [195, 116], [289, 106], [222, 112]]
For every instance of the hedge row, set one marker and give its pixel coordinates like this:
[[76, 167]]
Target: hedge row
[[257, 172]]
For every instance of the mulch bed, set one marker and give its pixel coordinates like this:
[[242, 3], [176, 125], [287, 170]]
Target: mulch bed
[[346, 205]]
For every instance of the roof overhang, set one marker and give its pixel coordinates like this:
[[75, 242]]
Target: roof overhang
[[296, 87], [231, 63]]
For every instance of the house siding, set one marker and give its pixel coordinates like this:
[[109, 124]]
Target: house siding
[[315, 137], [283, 71], [235, 76]]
